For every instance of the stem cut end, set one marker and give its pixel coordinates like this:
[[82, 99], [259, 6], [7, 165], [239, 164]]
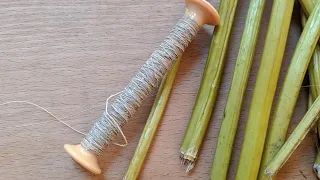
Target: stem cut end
[[84, 157], [316, 169], [268, 173], [187, 161]]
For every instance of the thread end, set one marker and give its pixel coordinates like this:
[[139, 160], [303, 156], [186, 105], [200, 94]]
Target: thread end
[[84, 157]]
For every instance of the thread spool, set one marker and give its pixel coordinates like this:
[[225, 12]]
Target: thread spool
[[199, 12]]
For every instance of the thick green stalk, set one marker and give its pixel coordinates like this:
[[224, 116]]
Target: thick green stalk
[[264, 90], [209, 84], [314, 73], [152, 123], [310, 100], [290, 89], [314, 92], [316, 165], [239, 82], [295, 139], [308, 5]]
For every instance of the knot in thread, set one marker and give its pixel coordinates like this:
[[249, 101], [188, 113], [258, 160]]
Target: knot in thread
[[140, 86]]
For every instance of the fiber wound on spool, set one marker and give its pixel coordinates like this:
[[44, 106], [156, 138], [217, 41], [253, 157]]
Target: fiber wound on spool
[[140, 86]]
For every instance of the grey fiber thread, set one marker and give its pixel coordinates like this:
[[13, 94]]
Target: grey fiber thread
[[140, 86]]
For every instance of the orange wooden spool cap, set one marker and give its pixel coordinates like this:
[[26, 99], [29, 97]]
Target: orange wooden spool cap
[[84, 157], [204, 11]]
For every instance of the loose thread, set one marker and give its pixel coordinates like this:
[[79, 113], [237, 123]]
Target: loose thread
[[40, 123], [72, 115], [66, 124], [47, 111], [115, 122]]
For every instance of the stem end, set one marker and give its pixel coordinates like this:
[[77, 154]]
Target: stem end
[[316, 169]]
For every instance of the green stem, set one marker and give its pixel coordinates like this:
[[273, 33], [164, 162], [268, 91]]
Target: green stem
[[316, 165], [152, 123], [317, 161], [209, 85], [264, 90], [310, 100], [239, 82], [308, 5], [295, 139], [314, 73], [314, 78], [291, 88]]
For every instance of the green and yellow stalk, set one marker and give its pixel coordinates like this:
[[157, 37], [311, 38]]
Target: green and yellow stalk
[[310, 100], [209, 85], [237, 89], [264, 90], [295, 139], [316, 165], [314, 73], [308, 5], [290, 89], [314, 78], [152, 123]]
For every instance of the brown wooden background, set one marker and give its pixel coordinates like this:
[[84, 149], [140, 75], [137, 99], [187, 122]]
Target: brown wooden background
[[71, 55]]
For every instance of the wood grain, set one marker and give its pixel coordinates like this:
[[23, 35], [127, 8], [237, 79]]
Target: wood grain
[[69, 56]]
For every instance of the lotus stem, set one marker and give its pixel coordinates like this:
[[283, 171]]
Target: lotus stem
[[264, 90], [295, 138], [152, 123], [314, 78], [308, 6], [209, 85], [237, 89], [288, 97]]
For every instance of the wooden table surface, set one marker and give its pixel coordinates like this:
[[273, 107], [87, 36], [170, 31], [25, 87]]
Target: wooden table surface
[[68, 56]]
